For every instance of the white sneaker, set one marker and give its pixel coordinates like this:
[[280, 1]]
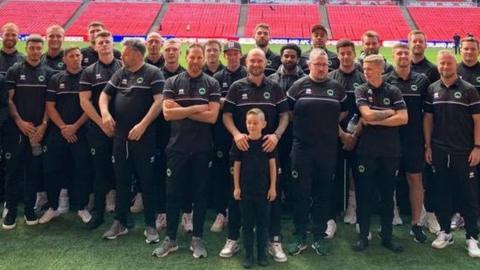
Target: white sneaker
[[231, 247], [137, 206], [472, 247], [187, 224], [331, 229], [457, 222], [84, 215], [397, 220], [350, 215], [5, 210], [41, 200], [110, 201], [275, 249], [443, 239], [219, 223], [63, 202], [357, 229], [430, 221], [48, 216], [161, 222]]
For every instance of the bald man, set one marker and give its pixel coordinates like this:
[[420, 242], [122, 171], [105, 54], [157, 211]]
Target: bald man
[[9, 54], [154, 44]]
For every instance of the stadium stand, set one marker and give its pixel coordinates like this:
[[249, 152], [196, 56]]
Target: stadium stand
[[121, 18], [461, 20], [200, 20], [286, 21], [36, 16], [352, 21]]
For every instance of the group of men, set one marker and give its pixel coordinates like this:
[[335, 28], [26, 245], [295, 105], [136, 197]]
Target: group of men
[[95, 121]]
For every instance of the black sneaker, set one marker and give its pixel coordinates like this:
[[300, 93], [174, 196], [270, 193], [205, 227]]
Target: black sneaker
[[9, 222], [418, 235], [248, 261], [30, 217], [262, 258], [360, 245], [393, 246], [94, 222]]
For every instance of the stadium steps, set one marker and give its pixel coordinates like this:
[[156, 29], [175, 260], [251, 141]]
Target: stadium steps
[[75, 15], [158, 20], [2, 2], [242, 20], [408, 18], [324, 19]]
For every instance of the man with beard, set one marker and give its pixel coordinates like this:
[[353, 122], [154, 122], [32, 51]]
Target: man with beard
[[93, 80], [350, 78], [414, 90], [89, 55], [371, 45], [154, 45], [256, 91], [54, 55], [191, 105], [9, 54], [262, 38], [469, 68], [452, 110], [319, 39], [135, 90], [222, 142], [212, 56]]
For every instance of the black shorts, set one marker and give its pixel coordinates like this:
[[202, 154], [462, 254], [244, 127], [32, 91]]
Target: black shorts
[[413, 160]]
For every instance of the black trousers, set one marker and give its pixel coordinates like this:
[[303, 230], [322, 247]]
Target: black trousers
[[255, 213], [60, 155], [221, 178], [234, 217], [101, 148], [187, 170], [453, 175], [160, 175], [429, 186], [381, 173], [19, 161], [135, 158], [313, 177]]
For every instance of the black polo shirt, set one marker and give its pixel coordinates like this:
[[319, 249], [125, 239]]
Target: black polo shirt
[[63, 89], [379, 141], [426, 67], [452, 108], [7, 60], [349, 81], [90, 56], [245, 95], [414, 92], [286, 80], [333, 62], [273, 62], [160, 63], [316, 110], [187, 135], [132, 94], [55, 63], [167, 74], [254, 169], [470, 74], [30, 86], [210, 73]]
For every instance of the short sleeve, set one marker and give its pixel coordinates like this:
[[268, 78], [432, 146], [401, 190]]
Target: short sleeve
[[214, 92], [52, 89], [111, 87], [397, 99], [168, 90], [235, 153], [231, 99], [11, 78], [158, 82], [428, 100], [292, 94], [473, 100], [342, 98], [280, 101], [86, 81], [361, 98]]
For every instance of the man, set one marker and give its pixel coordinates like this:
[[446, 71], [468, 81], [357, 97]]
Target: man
[[469, 68], [222, 142], [313, 160], [54, 55], [456, 43], [262, 38], [191, 105], [414, 90], [154, 45], [452, 109], [89, 55], [3, 118], [27, 85], [371, 45], [350, 78], [93, 80], [212, 56], [65, 141], [9, 54], [171, 54], [256, 91], [135, 91], [318, 39], [382, 110]]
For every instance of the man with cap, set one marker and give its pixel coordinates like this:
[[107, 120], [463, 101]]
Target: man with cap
[[319, 39]]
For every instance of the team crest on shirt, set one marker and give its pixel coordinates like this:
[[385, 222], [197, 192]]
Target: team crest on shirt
[[23, 77], [61, 86], [355, 85], [181, 92], [219, 154], [478, 79], [308, 91], [244, 96], [269, 62], [98, 76], [457, 95], [140, 80], [361, 168], [60, 64], [202, 91], [329, 62], [414, 87], [330, 92], [386, 101], [41, 78], [266, 95]]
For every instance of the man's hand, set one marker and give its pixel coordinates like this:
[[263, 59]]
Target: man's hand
[[136, 132], [271, 141], [474, 157], [27, 128], [108, 123], [241, 141]]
